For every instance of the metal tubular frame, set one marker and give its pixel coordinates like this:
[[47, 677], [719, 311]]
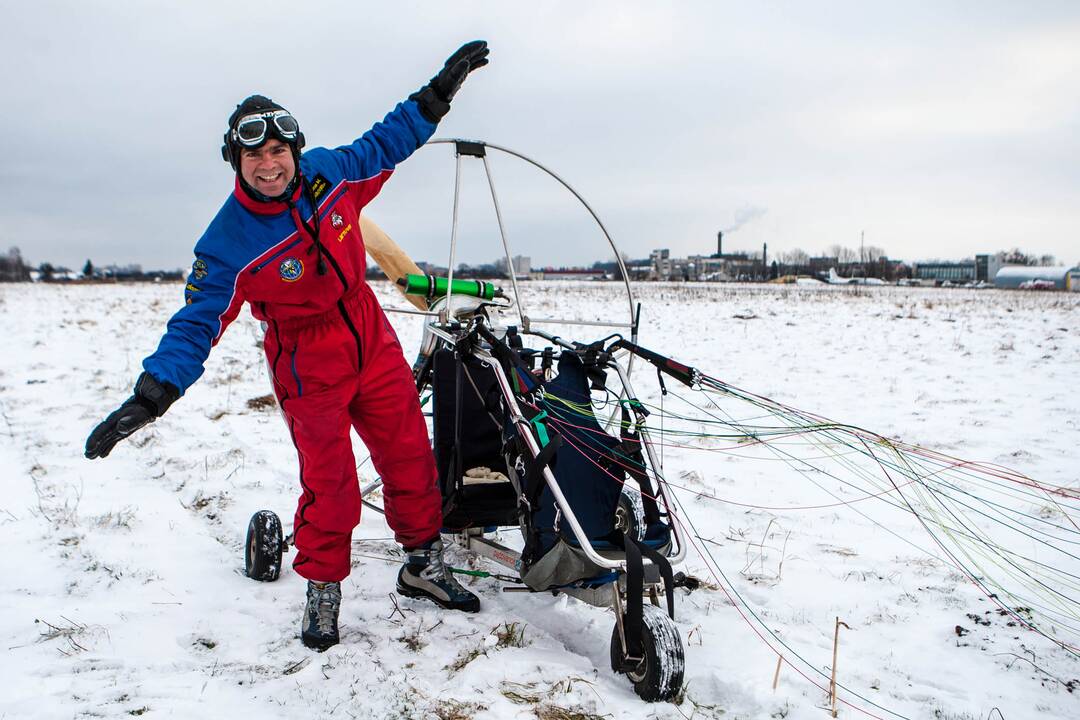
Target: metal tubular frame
[[597, 596], [453, 239], [492, 550], [505, 242], [406, 311], [525, 320], [594, 323]]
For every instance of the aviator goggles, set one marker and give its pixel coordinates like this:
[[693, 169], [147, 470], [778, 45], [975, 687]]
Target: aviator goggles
[[251, 130]]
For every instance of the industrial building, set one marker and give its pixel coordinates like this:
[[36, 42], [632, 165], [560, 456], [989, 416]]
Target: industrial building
[[953, 272], [522, 266], [1015, 276], [719, 266], [986, 267]]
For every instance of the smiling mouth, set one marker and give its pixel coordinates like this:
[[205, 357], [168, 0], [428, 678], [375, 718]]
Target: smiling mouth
[[269, 178]]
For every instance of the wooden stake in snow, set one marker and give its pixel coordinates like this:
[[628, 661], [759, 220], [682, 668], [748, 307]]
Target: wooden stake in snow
[[776, 675], [835, 647]]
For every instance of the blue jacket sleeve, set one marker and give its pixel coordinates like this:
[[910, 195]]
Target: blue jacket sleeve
[[211, 303], [399, 135]]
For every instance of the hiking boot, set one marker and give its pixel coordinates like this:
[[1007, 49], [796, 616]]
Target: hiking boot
[[319, 629], [425, 575]]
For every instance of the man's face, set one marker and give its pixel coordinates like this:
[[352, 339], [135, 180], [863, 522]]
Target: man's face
[[269, 168]]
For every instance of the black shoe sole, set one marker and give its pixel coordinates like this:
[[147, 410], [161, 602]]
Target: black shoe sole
[[317, 643], [470, 606]]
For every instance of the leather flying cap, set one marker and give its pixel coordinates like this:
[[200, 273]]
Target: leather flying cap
[[271, 127]]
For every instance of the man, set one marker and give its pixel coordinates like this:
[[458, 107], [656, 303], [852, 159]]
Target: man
[[334, 360]]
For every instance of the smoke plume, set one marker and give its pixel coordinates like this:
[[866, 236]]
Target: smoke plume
[[744, 215]]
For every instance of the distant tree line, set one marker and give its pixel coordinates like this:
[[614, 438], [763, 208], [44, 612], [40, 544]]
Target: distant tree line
[[1016, 257], [842, 254], [14, 269], [867, 261]]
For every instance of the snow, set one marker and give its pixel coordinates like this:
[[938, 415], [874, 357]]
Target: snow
[[125, 593]]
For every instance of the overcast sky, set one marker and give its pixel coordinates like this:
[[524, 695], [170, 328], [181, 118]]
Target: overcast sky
[[940, 129]]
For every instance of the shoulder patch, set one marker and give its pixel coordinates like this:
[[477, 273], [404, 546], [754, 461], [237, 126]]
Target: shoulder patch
[[319, 185], [198, 269]]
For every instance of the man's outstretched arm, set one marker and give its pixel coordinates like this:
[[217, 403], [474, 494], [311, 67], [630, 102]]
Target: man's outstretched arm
[[411, 123], [211, 302]]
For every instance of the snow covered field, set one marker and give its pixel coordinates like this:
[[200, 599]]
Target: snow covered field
[[124, 592]]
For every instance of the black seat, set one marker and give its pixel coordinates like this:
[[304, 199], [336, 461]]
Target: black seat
[[469, 420]]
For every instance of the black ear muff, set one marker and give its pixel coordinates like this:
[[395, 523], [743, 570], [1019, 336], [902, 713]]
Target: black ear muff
[[300, 141], [226, 151]]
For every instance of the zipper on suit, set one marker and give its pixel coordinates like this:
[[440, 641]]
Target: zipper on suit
[[276, 255], [296, 375]]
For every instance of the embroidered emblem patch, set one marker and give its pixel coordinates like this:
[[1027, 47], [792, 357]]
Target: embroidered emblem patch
[[336, 220], [198, 269], [291, 269], [319, 185]]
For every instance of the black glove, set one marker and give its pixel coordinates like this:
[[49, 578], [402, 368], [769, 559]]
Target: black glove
[[150, 401], [434, 98]]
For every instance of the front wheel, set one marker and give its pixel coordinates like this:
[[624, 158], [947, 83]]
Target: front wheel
[[264, 547], [659, 674]]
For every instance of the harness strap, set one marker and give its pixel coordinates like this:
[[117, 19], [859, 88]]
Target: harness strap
[[534, 470], [635, 589], [540, 428], [664, 566]]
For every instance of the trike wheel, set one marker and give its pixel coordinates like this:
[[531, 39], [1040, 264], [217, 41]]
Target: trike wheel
[[264, 547], [659, 674], [630, 515]]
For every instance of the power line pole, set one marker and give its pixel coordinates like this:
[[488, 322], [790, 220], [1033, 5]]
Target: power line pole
[[862, 251]]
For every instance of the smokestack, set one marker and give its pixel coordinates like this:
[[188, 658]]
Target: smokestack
[[720, 244]]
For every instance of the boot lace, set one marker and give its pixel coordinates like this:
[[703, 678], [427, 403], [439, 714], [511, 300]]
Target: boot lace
[[326, 601], [437, 570]]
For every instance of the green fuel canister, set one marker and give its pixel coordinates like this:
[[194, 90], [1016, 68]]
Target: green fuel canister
[[432, 287]]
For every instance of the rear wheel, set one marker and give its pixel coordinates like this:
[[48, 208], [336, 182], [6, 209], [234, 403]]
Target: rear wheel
[[659, 674], [630, 515], [264, 547]]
